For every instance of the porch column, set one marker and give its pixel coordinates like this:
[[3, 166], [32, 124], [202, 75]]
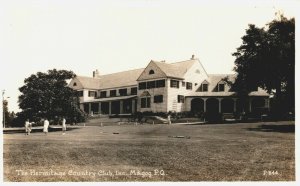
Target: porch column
[[109, 108], [132, 106], [234, 104], [99, 109], [220, 106], [121, 106], [204, 104], [90, 108], [250, 104]]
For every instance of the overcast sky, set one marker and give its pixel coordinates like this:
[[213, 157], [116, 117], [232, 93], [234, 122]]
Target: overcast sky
[[114, 36]]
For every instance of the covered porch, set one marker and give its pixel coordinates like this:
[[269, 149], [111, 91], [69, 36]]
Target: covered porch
[[111, 106], [218, 105]]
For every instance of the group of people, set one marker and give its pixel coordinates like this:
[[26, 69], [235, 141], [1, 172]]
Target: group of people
[[28, 126]]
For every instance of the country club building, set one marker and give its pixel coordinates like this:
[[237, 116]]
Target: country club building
[[162, 87]]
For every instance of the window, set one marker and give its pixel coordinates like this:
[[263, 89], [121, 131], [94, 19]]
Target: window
[[158, 99], [174, 83], [189, 86], [80, 93], [197, 71], [113, 93], [123, 92], [180, 99], [183, 83], [160, 83], [142, 86], [151, 72], [92, 93], [145, 102], [221, 87], [74, 84], [103, 94], [150, 84], [134, 91], [204, 87]]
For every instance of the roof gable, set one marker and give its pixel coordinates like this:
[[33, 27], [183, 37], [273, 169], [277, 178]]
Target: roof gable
[[83, 82], [205, 82], [152, 66], [176, 70]]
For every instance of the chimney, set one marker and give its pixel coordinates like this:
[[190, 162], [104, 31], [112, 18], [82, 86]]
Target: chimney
[[193, 57], [96, 74]]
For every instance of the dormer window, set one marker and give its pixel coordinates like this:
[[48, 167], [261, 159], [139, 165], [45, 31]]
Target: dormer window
[[221, 87], [74, 84], [151, 72], [204, 87]]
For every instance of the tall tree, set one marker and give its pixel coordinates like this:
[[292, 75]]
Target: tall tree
[[266, 59], [47, 95]]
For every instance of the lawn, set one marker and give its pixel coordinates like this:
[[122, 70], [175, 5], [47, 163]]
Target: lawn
[[216, 152]]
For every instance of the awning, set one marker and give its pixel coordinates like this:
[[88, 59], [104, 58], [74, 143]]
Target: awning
[[110, 99]]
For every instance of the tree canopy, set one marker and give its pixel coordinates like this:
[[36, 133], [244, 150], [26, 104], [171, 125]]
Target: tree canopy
[[47, 95], [266, 59]]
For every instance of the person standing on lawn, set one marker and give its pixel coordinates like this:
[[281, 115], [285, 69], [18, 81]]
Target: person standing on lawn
[[169, 118], [46, 125], [64, 126], [27, 127]]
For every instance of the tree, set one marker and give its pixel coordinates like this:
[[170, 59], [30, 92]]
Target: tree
[[47, 95], [266, 59]]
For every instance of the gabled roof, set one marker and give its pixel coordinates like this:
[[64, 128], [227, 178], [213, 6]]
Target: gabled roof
[[120, 79], [88, 82], [214, 79], [205, 82], [175, 70]]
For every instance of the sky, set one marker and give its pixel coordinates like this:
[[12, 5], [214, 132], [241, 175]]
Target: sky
[[113, 36]]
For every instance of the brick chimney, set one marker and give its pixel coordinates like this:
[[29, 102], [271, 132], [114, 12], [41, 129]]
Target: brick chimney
[[193, 57], [96, 74]]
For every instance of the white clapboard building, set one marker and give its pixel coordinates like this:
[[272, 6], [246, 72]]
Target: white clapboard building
[[162, 87]]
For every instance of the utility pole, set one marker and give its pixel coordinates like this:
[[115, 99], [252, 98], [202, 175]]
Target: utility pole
[[3, 92]]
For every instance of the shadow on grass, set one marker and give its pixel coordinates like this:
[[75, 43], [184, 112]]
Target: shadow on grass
[[274, 128]]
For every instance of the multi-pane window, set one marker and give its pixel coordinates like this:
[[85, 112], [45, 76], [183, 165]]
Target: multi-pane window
[[123, 92], [142, 85], [113, 93], [180, 99], [134, 91], [189, 86], [158, 99], [160, 83], [80, 93], [103, 94], [174, 83], [150, 84], [146, 102], [92, 93], [221, 87], [204, 87]]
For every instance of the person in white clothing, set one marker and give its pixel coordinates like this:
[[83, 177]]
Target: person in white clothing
[[64, 126], [46, 125], [169, 118], [27, 127]]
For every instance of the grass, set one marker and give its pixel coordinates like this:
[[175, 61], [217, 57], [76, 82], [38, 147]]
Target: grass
[[219, 152]]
